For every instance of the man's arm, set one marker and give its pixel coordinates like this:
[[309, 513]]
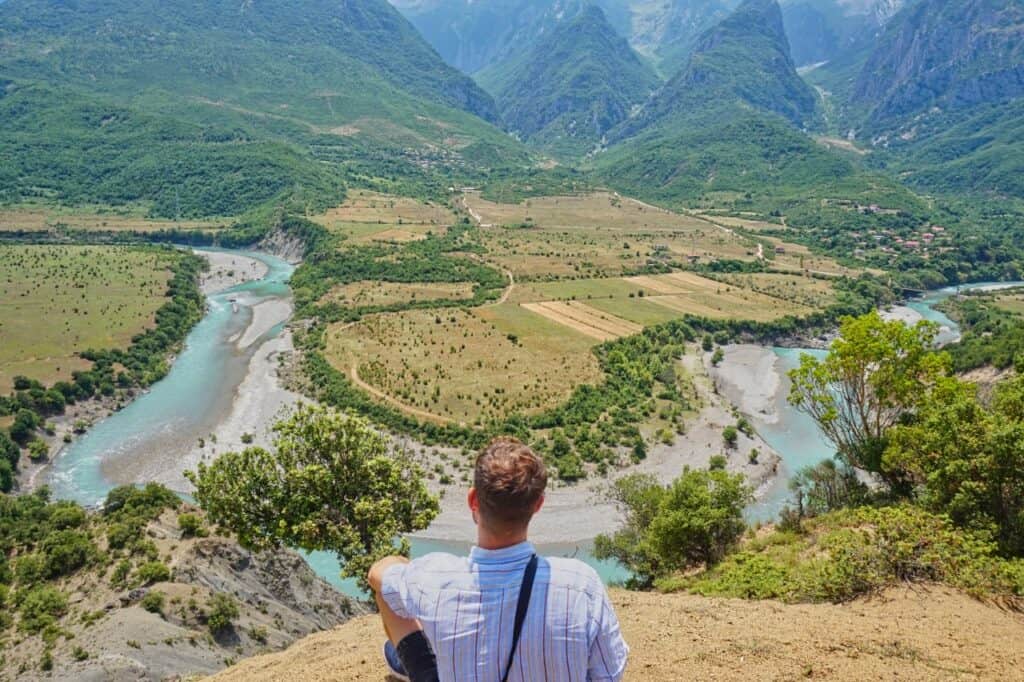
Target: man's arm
[[397, 627], [376, 574], [608, 650]]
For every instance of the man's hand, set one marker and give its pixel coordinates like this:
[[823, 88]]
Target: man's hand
[[376, 574]]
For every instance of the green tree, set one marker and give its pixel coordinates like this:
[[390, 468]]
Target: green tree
[[9, 450], [875, 373], [730, 434], [825, 487], [967, 460], [25, 423], [330, 485], [693, 521]]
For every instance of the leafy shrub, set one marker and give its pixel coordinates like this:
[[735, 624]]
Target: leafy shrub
[[38, 450], [41, 607], [120, 534], [153, 572], [121, 572], [730, 435], [191, 525], [852, 552], [221, 611], [693, 521], [153, 602], [66, 551]]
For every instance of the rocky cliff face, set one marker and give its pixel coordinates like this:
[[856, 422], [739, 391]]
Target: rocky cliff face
[[279, 600], [950, 54]]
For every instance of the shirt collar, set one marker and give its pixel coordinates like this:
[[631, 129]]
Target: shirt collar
[[505, 555]]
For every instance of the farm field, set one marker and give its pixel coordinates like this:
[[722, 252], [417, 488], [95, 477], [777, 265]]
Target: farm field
[[368, 216], [374, 293], [1010, 302], [597, 234], [58, 300], [44, 219], [799, 289], [465, 365]]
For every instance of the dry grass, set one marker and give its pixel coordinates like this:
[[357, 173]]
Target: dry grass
[[904, 634], [371, 216], [597, 234], [58, 300], [372, 293], [808, 291], [44, 219], [465, 365]]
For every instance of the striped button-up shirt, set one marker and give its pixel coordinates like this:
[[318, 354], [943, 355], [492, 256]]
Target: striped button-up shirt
[[467, 608]]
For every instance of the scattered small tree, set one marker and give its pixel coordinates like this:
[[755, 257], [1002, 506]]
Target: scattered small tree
[[191, 525], [730, 435], [222, 610], [691, 522], [330, 485]]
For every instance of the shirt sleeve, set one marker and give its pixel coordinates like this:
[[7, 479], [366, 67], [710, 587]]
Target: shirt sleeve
[[608, 650], [394, 589]]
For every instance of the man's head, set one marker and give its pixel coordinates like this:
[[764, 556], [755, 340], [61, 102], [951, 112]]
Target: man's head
[[508, 486]]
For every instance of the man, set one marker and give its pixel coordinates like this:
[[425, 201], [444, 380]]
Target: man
[[464, 610]]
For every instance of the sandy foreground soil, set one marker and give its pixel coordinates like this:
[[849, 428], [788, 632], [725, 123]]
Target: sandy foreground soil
[[578, 513], [927, 633]]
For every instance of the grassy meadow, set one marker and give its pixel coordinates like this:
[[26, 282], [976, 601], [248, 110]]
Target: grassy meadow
[[368, 216], [56, 301], [465, 365], [43, 218]]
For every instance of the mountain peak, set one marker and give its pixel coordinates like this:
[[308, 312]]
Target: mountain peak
[[744, 58], [572, 86]]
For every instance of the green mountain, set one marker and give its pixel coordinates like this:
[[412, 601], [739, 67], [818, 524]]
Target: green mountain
[[725, 134], [308, 93], [744, 60], [938, 97], [572, 86]]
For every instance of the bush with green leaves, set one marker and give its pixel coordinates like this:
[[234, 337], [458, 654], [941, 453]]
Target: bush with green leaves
[[845, 554], [153, 572], [153, 601], [40, 607], [191, 525], [66, 551], [693, 521], [221, 611]]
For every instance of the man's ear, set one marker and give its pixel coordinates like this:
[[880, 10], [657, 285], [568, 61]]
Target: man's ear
[[540, 503], [472, 500]]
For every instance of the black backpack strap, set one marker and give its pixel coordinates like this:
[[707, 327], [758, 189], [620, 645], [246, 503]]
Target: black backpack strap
[[524, 603]]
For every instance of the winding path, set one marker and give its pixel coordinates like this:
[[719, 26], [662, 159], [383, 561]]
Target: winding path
[[354, 375]]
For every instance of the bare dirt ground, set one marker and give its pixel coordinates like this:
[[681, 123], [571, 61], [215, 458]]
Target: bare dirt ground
[[928, 633]]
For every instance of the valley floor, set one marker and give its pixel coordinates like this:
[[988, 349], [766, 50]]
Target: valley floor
[[927, 633]]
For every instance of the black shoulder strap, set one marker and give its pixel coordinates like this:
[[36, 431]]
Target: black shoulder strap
[[524, 603]]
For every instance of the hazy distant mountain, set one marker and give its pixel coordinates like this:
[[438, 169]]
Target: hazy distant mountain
[[575, 83], [474, 34], [820, 30]]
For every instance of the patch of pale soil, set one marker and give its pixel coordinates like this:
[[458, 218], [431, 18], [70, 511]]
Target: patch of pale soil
[[930, 633], [906, 315], [748, 377], [265, 316], [228, 270]]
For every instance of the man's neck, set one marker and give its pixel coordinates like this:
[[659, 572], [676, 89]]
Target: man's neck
[[486, 539]]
